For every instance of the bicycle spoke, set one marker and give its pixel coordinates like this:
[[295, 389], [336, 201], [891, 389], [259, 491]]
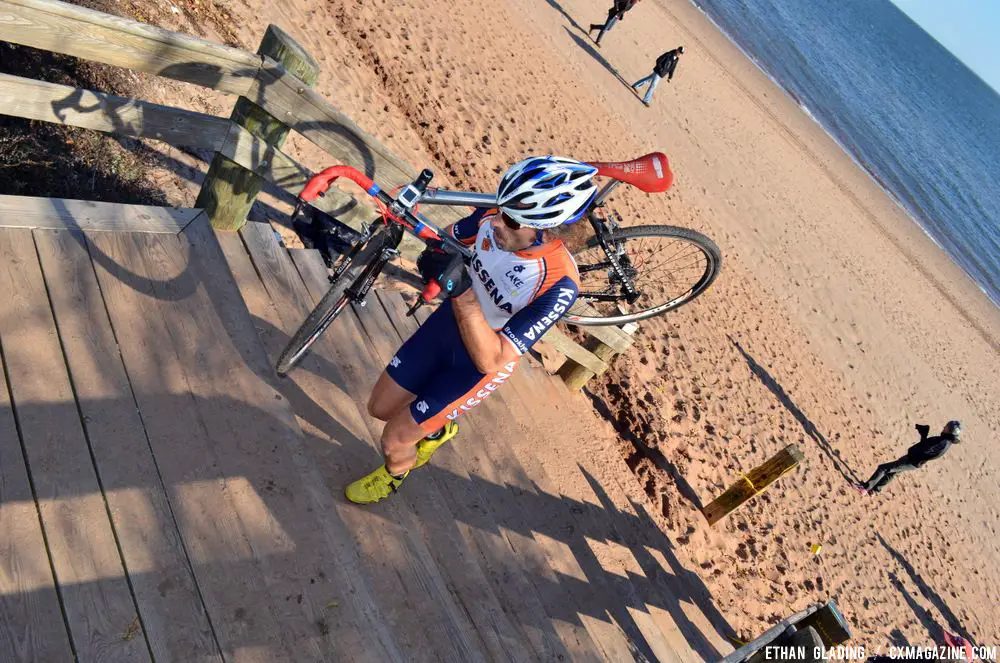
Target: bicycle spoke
[[666, 267]]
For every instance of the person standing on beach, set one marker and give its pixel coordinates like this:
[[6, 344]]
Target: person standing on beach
[[615, 14], [927, 449], [665, 66]]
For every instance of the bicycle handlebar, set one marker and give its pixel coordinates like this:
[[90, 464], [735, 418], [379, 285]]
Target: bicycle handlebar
[[321, 181], [399, 210]]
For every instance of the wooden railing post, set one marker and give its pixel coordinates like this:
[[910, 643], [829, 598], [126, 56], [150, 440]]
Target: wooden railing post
[[753, 483], [229, 189]]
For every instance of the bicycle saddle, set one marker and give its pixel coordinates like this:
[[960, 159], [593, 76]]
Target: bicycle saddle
[[650, 173]]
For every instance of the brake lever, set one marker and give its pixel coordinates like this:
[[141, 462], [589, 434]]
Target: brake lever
[[446, 281]]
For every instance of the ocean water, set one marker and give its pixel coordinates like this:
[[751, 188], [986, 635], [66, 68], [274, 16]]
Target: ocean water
[[917, 119]]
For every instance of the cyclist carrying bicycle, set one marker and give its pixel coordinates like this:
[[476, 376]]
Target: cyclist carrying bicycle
[[520, 281]]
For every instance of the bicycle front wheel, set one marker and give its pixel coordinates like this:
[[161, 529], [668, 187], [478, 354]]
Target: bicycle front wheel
[[668, 266], [329, 307]]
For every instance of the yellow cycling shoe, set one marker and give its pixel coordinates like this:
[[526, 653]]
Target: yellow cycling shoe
[[374, 487], [427, 446]]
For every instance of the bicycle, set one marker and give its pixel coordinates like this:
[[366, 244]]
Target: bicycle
[[612, 261]]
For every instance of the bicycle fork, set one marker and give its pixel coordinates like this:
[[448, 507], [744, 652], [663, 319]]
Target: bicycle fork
[[358, 291], [604, 234]]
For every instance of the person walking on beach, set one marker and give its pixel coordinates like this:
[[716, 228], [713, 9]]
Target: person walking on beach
[[927, 449], [615, 14], [665, 66]]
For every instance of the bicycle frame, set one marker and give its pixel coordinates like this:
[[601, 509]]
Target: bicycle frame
[[420, 226], [650, 173], [447, 197], [453, 198], [378, 243]]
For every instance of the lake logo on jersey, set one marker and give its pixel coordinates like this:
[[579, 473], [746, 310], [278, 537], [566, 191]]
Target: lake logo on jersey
[[518, 268], [487, 244]]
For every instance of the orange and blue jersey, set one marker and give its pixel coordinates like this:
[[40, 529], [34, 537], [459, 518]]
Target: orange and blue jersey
[[522, 294]]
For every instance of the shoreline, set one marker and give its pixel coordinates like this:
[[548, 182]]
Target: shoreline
[[856, 158]]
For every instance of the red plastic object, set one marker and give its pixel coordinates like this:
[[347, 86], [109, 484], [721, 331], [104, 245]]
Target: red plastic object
[[650, 173], [322, 180], [431, 290]]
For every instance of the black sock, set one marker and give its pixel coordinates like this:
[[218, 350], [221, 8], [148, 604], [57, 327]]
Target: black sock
[[394, 476]]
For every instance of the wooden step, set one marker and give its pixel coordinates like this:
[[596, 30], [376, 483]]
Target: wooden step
[[615, 572], [173, 614], [398, 565], [493, 554], [458, 561], [96, 598], [675, 595], [611, 596], [481, 450], [578, 590], [253, 513], [30, 614]]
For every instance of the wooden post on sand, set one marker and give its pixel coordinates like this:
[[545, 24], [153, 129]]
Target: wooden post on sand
[[229, 190], [752, 484]]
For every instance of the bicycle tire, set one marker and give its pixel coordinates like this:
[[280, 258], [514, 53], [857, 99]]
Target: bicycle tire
[[329, 307], [708, 248]]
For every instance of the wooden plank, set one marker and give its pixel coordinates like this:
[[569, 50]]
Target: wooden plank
[[232, 581], [308, 113], [511, 569], [255, 436], [576, 376], [325, 561], [85, 215], [573, 350], [432, 517], [72, 30], [667, 588], [512, 492], [413, 573], [31, 624], [281, 170], [98, 604], [753, 483], [172, 610], [617, 338], [63, 104], [338, 418]]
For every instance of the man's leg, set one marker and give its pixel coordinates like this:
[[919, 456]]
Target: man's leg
[[642, 81], [900, 466], [388, 399], [877, 476], [399, 443], [652, 86], [887, 472], [612, 19]]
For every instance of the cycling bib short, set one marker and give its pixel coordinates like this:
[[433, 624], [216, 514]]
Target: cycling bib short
[[522, 294]]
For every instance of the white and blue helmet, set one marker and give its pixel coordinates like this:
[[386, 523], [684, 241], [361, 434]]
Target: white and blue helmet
[[545, 192]]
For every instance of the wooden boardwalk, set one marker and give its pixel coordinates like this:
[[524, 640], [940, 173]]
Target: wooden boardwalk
[[165, 497]]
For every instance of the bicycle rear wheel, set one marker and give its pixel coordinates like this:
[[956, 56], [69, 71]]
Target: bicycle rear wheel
[[330, 306], [669, 266]]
